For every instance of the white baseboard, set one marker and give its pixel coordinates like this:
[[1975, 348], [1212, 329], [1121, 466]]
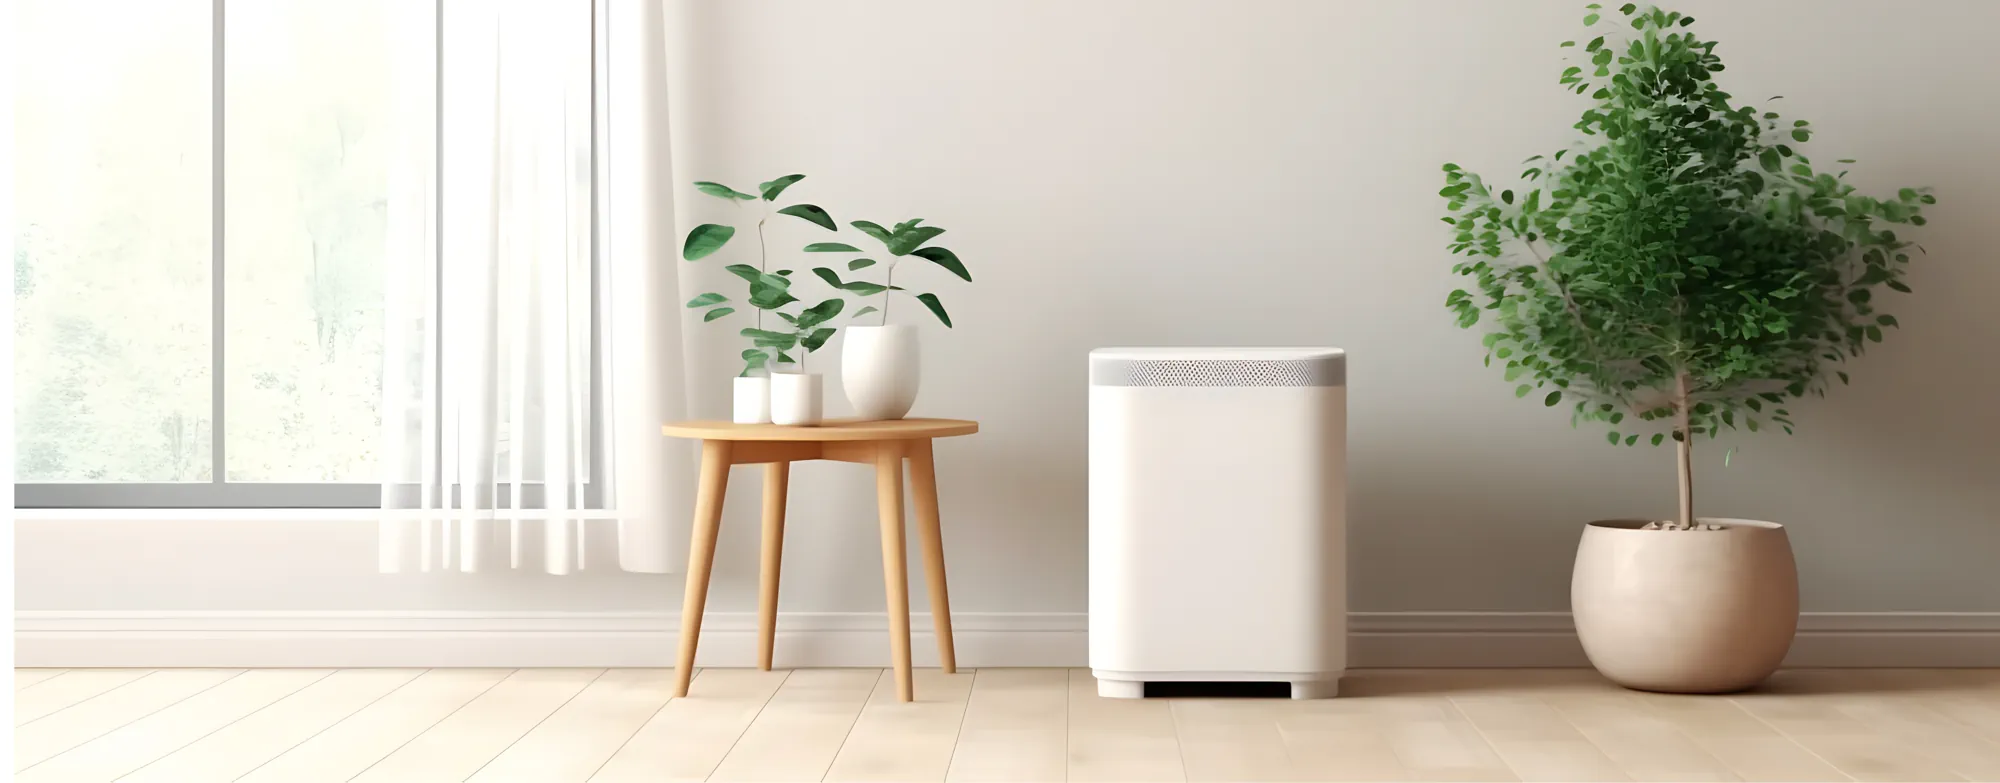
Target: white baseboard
[[515, 639]]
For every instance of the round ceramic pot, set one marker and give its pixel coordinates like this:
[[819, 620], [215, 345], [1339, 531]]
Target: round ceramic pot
[[878, 370], [1685, 611], [798, 398], [752, 400]]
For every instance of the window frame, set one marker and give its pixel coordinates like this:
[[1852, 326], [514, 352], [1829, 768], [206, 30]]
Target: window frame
[[221, 493]]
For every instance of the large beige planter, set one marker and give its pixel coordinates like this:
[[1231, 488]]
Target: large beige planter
[[1703, 611]]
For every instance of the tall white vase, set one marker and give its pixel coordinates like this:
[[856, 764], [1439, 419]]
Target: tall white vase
[[752, 404], [878, 370], [798, 399]]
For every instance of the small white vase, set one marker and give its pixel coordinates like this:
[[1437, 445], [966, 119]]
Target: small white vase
[[797, 398], [752, 400], [879, 370]]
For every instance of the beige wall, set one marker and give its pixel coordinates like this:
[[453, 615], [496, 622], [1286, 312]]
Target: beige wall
[[1265, 172], [1245, 173]]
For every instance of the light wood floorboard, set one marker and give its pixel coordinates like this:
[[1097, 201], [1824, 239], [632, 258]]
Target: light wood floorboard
[[26, 677], [687, 739], [365, 737], [575, 725], [1016, 727], [154, 736], [242, 746]]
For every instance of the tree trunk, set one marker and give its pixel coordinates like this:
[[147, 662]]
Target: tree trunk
[[1684, 446]]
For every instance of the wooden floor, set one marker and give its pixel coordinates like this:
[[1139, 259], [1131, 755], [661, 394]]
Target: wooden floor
[[553, 725]]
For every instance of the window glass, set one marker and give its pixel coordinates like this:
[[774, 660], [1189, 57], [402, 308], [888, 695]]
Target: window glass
[[112, 261], [307, 109]]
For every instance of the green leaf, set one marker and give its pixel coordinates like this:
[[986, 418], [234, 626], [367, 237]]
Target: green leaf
[[1631, 440], [821, 313], [745, 271], [863, 288], [1553, 398], [860, 263], [1627, 9], [1613, 436], [1522, 390], [864, 311], [872, 229], [903, 242], [717, 313], [1657, 437], [765, 338], [1887, 320], [1801, 135], [1897, 285], [1874, 334], [769, 297], [831, 247], [813, 341], [1769, 160], [786, 358], [1514, 373], [811, 214], [1589, 19], [706, 239], [774, 187], [706, 299], [719, 190], [753, 360], [1594, 45], [944, 258], [936, 308]]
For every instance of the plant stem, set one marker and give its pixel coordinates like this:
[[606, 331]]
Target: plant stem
[[1684, 447], [760, 264], [889, 295]]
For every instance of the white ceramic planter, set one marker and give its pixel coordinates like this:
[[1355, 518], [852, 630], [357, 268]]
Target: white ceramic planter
[[1685, 611], [797, 398], [879, 371], [752, 400]]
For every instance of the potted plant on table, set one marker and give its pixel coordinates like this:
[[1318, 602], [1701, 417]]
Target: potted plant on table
[[1680, 271], [879, 366], [775, 397]]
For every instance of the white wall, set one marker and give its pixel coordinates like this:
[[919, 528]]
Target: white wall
[[1173, 171]]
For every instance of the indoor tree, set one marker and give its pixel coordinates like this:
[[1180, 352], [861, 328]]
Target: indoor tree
[[768, 290], [1682, 269]]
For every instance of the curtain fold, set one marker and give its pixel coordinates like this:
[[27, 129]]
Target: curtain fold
[[534, 345]]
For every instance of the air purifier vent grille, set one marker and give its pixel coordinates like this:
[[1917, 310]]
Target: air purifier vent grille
[[1322, 371]]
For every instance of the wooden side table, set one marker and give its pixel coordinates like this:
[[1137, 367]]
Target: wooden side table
[[884, 444]]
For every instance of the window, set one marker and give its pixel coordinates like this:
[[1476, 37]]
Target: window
[[198, 274]]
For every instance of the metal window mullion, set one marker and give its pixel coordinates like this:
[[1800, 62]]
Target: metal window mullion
[[218, 467]]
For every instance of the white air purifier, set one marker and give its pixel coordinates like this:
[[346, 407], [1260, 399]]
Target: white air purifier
[[1218, 517]]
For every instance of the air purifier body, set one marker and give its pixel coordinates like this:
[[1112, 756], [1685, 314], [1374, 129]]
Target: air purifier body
[[1218, 517]]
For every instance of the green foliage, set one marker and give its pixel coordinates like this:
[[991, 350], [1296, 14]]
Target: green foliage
[[1683, 264], [811, 214], [906, 239], [705, 239], [766, 292]]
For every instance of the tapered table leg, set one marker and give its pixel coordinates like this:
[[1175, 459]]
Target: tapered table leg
[[895, 569], [777, 475], [701, 554], [930, 534]]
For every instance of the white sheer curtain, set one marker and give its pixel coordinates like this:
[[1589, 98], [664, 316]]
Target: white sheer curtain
[[534, 333]]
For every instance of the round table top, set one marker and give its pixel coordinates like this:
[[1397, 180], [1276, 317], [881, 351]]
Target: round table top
[[831, 430]]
